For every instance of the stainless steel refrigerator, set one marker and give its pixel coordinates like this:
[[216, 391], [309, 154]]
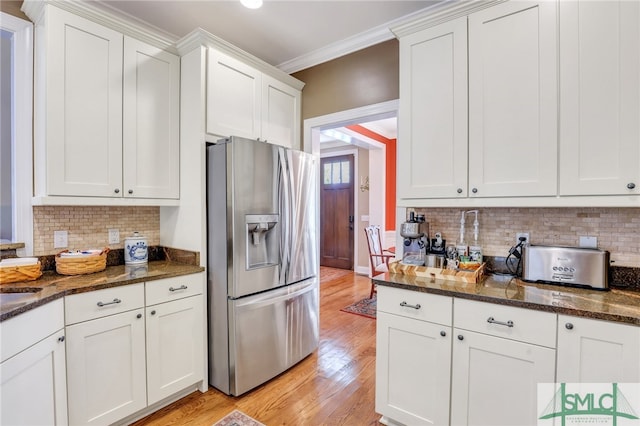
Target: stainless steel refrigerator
[[263, 267]]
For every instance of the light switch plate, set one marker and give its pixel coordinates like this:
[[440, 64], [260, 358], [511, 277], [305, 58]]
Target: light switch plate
[[60, 239], [591, 242], [114, 236]]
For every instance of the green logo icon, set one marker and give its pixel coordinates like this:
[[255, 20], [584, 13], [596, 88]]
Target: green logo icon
[[597, 402]]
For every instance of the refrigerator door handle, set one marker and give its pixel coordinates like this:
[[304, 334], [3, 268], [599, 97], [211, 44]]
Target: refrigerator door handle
[[258, 301], [285, 214]]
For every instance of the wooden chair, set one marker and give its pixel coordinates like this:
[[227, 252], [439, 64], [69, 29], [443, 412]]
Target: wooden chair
[[379, 258]]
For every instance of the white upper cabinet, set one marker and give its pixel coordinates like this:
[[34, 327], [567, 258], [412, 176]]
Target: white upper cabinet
[[151, 121], [599, 97], [233, 97], [513, 100], [106, 114], [243, 101], [78, 112], [432, 147]]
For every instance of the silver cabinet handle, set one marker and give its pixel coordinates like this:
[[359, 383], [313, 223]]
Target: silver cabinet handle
[[130, 191], [416, 306], [61, 339], [568, 326], [631, 185], [116, 300], [474, 190], [491, 320], [182, 287], [459, 190], [116, 190]]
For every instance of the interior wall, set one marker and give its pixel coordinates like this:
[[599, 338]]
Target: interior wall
[[13, 8]]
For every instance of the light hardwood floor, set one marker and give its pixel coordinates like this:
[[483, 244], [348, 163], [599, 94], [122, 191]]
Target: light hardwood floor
[[333, 386]]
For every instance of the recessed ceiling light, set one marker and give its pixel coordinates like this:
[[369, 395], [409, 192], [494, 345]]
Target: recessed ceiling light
[[251, 4]]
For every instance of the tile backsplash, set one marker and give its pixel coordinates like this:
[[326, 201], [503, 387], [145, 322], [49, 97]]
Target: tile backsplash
[[88, 226], [617, 229]]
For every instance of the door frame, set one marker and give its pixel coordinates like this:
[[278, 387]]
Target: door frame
[[311, 143], [338, 153]]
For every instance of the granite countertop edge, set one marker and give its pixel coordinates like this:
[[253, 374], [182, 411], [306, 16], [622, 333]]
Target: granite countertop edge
[[51, 286], [617, 305]]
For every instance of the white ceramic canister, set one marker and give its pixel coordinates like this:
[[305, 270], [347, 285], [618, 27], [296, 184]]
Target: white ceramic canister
[[136, 250]]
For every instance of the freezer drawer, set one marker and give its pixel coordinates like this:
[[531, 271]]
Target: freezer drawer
[[270, 332]]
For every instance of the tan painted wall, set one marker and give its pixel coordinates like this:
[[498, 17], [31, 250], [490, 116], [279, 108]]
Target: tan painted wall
[[13, 8]]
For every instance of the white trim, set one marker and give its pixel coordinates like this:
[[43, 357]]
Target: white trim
[[22, 137]]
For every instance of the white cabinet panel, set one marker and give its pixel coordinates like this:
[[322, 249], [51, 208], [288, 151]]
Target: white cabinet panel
[[599, 97], [83, 107], [151, 121], [33, 385], [175, 346], [495, 380], [513, 100], [106, 377], [432, 142], [233, 97], [413, 360], [593, 351], [280, 113]]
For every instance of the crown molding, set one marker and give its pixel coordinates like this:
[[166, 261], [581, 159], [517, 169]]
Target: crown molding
[[439, 13], [201, 38], [103, 14]]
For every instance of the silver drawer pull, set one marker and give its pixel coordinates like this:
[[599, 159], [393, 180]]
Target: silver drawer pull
[[491, 320], [101, 304], [182, 287], [416, 306]]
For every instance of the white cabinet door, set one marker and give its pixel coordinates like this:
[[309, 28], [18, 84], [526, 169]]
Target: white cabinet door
[[106, 377], [34, 387], [432, 142], [592, 351], [599, 97], [175, 346], [513, 100], [280, 113], [151, 120], [233, 97], [494, 380], [413, 360], [83, 112]]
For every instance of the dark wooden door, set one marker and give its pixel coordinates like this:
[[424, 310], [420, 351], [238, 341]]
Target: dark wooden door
[[336, 212]]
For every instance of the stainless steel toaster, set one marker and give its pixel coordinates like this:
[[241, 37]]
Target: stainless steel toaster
[[574, 266]]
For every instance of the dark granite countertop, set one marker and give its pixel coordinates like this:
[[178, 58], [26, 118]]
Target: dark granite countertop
[[613, 305], [51, 286]]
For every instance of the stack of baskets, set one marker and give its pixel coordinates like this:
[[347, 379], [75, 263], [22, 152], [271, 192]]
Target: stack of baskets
[[81, 263], [19, 269]]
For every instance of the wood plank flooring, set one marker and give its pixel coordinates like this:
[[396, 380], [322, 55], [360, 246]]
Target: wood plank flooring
[[333, 386]]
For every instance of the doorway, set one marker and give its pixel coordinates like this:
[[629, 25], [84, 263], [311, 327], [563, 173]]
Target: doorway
[[337, 211], [370, 174]]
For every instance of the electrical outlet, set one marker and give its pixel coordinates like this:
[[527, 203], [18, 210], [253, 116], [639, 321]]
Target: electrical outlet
[[60, 239], [523, 234], [591, 242], [114, 236]]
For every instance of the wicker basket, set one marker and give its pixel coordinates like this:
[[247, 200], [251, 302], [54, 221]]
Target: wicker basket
[[13, 274], [81, 265]]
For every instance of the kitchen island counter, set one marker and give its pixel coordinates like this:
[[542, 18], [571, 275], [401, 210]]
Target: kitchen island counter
[[52, 286], [612, 305]]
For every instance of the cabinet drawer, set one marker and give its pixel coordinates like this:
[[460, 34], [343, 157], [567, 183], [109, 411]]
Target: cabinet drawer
[[167, 289], [415, 304], [524, 325], [101, 303]]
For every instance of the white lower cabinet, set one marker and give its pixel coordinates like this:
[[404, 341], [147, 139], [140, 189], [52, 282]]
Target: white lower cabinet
[[106, 374], [594, 351], [413, 357], [32, 380], [174, 346]]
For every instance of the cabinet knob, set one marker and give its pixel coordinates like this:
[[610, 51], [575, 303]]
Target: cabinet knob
[[61, 339], [631, 185], [474, 190], [130, 191], [460, 337], [568, 326], [117, 190], [139, 316], [443, 333], [153, 312], [459, 190]]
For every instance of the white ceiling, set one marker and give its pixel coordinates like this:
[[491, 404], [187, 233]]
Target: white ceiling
[[287, 34]]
